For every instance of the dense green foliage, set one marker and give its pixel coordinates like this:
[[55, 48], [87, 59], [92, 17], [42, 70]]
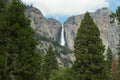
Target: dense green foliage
[[109, 58], [49, 64], [116, 74], [119, 55], [62, 74], [2, 5], [18, 57], [89, 64], [2, 49], [17, 45]]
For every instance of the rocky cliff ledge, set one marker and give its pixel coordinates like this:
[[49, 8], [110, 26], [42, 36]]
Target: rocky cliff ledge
[[108, 30]]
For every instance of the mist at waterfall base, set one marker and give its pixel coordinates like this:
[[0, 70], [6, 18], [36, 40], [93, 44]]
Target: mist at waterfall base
[[62, 40]]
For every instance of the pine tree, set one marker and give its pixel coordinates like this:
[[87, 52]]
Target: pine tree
[[49, 64], [118, 14], [18, 45], [2, 5], [118, 54], [3, 67], [118, 17], [109, 58], [89, 64], [62, 74]]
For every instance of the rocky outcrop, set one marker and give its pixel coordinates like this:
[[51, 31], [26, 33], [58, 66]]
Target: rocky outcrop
[[43, 26], [48, 32], [108, 30], [55, 29]]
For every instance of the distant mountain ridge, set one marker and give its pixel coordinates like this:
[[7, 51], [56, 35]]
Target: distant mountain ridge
[[48, 32]]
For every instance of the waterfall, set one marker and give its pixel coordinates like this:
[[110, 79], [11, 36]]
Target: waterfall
[[116, 21], [62, 41]]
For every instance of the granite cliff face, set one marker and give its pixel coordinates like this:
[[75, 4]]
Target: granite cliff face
[[48, 32], [46, 27], [108, 29]]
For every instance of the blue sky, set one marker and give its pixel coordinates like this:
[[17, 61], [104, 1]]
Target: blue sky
[[113, 4], [62, 9]]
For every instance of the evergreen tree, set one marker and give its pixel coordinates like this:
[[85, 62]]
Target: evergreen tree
[[49, 64], [62, 74], [2, 5], [118, 14], [30, 69], [18, 45], [109, 58], [118, 54], [118, 17], [3, 68], [89, 64]]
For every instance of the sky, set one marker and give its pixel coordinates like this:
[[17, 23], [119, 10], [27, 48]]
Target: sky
[[62, 9]]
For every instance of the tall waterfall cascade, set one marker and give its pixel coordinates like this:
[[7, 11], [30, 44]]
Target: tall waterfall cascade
[[116, 21], [62, 40]]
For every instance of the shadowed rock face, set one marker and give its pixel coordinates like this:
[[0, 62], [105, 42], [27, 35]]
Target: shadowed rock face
[[108, 31]]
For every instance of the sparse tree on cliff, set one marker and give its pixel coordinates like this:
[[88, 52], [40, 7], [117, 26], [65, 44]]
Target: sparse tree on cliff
[[118, 14]]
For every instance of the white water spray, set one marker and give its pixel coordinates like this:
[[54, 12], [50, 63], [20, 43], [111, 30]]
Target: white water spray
[[116, 21], [62, 41]]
